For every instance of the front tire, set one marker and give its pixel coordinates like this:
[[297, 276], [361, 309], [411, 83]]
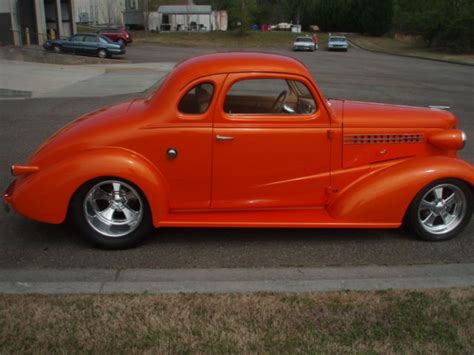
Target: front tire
[[111, 213], [441, 210], [102, 53]]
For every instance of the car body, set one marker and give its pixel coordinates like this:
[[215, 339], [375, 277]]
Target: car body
[[304, 43], [337, 43], [117, 34], [248, 140], [86, 43]]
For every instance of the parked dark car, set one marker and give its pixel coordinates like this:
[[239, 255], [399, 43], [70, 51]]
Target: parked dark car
[[86, 43], [119, 35]]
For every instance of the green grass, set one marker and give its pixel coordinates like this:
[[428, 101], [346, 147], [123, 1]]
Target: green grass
[[409, 48], [439, 321], [85, 29], [223, 39]]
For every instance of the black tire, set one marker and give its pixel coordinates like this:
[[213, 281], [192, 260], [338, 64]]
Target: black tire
[[415, 213], [57, 49], [102, 53], [77, 214], [122, 42]]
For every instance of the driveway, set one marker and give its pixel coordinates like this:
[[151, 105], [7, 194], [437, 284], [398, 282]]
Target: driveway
[[356, 75]]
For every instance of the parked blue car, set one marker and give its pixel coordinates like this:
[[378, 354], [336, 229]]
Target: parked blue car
[[337, 43], [86, 43]]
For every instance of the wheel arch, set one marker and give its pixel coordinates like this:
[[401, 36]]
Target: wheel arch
[[77, 170], [385, 195]]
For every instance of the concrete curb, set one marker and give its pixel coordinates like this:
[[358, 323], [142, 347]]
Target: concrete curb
[[109, 281], [351, 41]]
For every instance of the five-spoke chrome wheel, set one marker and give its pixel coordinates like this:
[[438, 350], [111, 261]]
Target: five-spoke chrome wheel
[[441, 210], [113, 208]]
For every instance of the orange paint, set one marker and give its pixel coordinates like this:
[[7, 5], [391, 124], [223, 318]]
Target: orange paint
[[348, 164]]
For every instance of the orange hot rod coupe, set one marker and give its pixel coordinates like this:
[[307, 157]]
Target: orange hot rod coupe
[[248, 140]]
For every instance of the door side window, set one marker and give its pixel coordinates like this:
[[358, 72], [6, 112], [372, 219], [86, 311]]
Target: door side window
[[269, 96], [90, 39], [197, 100], [78, 38]]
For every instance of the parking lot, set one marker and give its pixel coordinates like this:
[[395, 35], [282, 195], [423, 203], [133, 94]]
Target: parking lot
[[357, 75]]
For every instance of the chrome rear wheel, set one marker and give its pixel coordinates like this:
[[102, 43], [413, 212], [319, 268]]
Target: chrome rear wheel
[[112, 213], [113, 208]]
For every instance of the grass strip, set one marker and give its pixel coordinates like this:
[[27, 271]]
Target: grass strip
[[411, 49], [440, 321], [225, 39]]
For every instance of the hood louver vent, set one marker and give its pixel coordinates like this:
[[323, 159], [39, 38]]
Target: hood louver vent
[[383, 138]]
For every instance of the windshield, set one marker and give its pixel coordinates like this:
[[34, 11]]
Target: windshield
[[106, 39], [304, 39], [337, 39]]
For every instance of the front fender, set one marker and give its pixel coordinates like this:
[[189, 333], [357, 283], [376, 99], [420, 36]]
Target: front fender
[[45, 195], [384, 195]]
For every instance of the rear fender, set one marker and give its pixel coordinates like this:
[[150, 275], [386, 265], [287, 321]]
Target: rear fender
[[384, 195], [45, 195]]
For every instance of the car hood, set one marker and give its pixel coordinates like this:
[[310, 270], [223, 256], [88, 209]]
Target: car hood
[[356, 114], [99, 128]]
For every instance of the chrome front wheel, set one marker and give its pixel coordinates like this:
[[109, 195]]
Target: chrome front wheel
[[102, 53], [441, 210]]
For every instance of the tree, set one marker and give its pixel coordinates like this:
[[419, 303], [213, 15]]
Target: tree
[[375, 16], [443, 23], [241, 14]]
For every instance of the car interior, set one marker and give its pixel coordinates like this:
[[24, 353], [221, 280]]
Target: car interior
[[197, 100], [269, 96], [253, 96]]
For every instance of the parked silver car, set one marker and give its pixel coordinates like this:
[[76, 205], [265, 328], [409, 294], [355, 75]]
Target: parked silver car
[[338, 43], [304, 44]]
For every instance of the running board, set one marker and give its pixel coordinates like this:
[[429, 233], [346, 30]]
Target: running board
[[294, 218]]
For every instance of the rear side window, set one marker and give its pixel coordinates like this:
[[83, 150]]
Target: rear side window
[[197, 100]]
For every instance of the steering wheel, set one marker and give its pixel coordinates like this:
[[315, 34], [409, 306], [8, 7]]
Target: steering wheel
[[279, 102]]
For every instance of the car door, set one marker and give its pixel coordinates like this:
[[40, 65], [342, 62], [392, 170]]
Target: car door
[[71, 45], [90, 44], [271, 144]]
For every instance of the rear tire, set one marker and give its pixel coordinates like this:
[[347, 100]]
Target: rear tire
[[122, 42], [441, 210], [111, 213]]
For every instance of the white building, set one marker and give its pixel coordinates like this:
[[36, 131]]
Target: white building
[[100, 12], [187, 18]]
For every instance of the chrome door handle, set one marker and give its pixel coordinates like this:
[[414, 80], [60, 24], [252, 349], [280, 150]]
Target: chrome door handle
[[224, 138]]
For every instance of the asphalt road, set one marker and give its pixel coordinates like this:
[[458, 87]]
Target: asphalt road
[[358, 74]]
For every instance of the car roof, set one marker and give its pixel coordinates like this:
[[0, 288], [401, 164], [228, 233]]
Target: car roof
[[112, 29], [235, 62]]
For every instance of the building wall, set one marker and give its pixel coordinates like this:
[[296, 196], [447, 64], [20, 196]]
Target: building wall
[[38, 16], [100, 12]]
